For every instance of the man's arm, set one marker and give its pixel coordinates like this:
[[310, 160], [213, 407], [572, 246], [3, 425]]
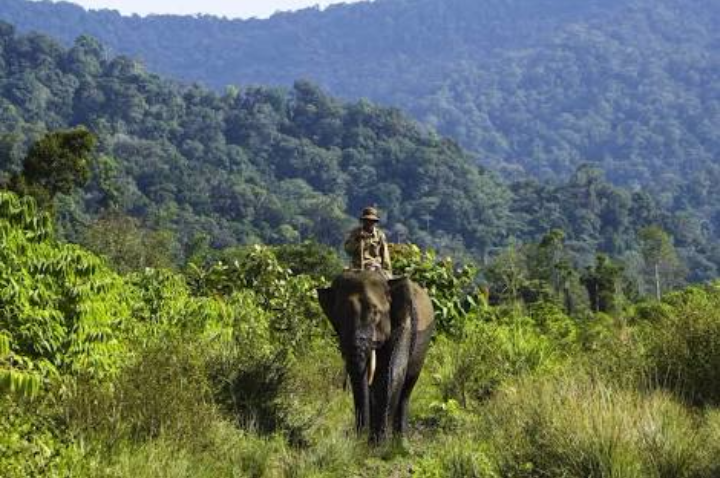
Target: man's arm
[[352, 243]]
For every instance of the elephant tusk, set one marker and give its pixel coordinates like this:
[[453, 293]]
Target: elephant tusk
[[371, 369]]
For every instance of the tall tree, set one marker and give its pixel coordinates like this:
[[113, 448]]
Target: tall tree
[[57, 163], [662, 264], [602, 282]]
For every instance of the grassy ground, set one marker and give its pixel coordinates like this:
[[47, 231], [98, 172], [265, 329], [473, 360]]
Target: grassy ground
[[568, 421]]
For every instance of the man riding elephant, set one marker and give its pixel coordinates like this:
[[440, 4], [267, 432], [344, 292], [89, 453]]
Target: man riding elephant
[[367, 246], [383, 325], [384, 328]]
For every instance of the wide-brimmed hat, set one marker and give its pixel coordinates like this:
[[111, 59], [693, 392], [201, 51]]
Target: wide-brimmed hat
[[369, 214]]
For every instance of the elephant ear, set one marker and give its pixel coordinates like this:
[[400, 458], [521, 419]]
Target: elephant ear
[[327, 303], [401, 296]]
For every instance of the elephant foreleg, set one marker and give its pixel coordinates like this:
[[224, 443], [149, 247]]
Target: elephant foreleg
[[392, 363], [417, 359], [400, 422]]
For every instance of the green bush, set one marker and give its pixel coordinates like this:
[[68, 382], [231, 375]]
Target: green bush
[[490, 353], [63, 310], [164, 391], [31, 441], [452, 288], [291, 300], [250, 368], [682, 338]]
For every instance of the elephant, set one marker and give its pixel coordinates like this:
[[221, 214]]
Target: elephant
[[384, 329]]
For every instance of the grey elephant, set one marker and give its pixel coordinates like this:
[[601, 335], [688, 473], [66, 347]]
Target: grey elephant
[[384, 329]]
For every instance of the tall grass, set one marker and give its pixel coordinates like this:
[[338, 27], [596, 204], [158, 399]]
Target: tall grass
[[575, 426]]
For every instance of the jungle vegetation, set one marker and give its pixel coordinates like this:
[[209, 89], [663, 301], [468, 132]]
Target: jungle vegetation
[[194, 168], [227, 367], [160, 246]]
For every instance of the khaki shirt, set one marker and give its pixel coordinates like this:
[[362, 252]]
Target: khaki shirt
[[368, 252]]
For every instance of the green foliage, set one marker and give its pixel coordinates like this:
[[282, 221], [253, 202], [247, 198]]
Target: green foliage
[[490, 354], [248, 369], [309, 258], [230, 370], [662, 265], [290, 299], [56, 164], [286, 166], [534, 88], [508, 274], [260, 165], [453, 289], [602, 284], [31, 442], [127, 245], [458, 458], [681, 336], [163, 390], [61, 306]]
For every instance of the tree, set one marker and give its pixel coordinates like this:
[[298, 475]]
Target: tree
[[128, 245], [602, 284], [56, 164], [508, 274], [550, 263], [662, 264]]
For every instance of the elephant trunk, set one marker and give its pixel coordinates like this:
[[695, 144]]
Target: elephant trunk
[[361, 397], [357, 362], [360, 362]]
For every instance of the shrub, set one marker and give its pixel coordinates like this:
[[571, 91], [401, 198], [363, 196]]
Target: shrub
[[250, 368], [489, 354], [682, 338], [63, 310], [31, 443], [164, 391], [291, 300], [309, 258], [452, 288]]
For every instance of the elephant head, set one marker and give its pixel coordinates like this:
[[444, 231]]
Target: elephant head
[[373, 322]]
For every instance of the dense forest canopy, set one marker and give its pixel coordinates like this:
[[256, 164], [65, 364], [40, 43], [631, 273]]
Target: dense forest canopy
[[260, 164], [270, 165], [531, 87]]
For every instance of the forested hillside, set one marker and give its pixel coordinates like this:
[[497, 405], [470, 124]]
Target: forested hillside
[[529, 86], [282, 166], [162, 246], [259, 164]]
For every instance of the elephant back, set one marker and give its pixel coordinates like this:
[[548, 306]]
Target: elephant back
[[354, 280], [407, 297]]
